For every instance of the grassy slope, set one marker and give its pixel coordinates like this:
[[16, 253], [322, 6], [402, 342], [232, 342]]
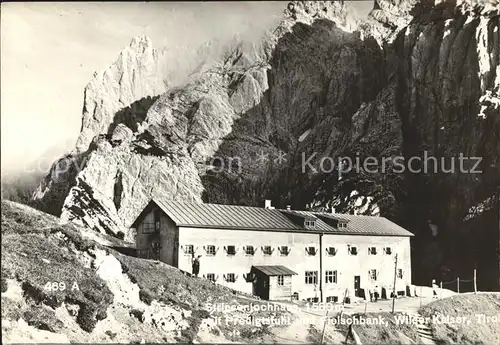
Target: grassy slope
[[34, 255], [36, 249], [468, 305]]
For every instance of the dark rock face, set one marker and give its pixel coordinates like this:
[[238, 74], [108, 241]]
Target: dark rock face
[[272, 120], [447, 67]]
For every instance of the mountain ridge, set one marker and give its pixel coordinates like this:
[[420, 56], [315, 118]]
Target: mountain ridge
[[319, 83]]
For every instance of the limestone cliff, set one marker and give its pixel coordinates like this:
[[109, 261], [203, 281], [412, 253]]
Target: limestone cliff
[[130, 161], [138, 72], [414, 77]]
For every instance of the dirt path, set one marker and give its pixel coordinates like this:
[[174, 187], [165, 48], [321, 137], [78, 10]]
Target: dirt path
[[301, 331], [307, 328]]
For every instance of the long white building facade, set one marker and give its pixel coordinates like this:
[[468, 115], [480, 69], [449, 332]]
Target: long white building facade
[[278, 254]]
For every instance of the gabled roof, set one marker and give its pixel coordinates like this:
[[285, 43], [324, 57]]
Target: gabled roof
[[367, 225], [274, 270], [199, 215], [226, 216]]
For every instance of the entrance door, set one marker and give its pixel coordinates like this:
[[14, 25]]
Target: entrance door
[[261, 287], [357, 286]]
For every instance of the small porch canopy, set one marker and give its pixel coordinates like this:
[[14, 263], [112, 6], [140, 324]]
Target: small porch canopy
[[273, 270]]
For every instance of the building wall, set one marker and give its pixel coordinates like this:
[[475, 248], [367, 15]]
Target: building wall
[[280, 292], [143, 240], [167, 236], [169, 241], [347, 266]]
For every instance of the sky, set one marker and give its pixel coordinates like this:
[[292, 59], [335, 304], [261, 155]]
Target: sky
[[49, 52]]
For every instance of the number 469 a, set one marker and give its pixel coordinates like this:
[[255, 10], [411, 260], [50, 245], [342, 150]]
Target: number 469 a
[[59, 286]]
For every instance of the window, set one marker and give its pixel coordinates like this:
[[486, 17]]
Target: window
[[267, 250], [309, 223], [372, 251], [284, 250], [281, 280], [210, 250], [231, 250], [332, 299], [211, 277], [311, 277], [311, 251], [388, 250], [249, 250], [189, 249], [312, 299], [341, 225], [400, 273], [230, 278], [353, 250], [148, 228], [372, 274], [331, 251], [330, 277]]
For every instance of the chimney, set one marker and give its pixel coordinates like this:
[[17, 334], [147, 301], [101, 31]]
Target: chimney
[[333, 210], [288, 207], [267, 204], [355, 212]]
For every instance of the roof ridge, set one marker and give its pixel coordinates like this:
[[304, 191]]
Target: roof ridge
[[212, 204]]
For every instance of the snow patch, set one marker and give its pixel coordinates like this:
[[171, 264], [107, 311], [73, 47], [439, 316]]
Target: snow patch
[[408, 30], [488, 100], [304, 135], [364, 204], [469, 19], [482, 49], [481, 114], [481, 207], [447, 29]]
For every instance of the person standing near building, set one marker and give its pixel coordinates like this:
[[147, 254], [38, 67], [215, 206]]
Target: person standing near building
[[370, 291], [196, 265], [434, 289]]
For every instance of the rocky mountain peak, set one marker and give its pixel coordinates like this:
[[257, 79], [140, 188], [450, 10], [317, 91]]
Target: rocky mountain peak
[[141, 43], [138, 72], [307, 12]]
